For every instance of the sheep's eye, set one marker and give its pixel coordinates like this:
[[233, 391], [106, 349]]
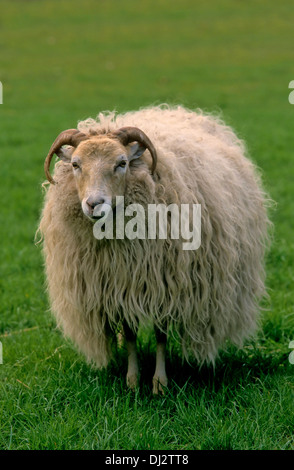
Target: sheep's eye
[[121, 164], [75, 165]]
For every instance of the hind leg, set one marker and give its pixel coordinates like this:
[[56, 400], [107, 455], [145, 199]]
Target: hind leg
[[133, 368], [160, 380]]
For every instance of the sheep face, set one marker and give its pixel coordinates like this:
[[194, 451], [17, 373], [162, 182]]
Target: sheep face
[[100, 167]]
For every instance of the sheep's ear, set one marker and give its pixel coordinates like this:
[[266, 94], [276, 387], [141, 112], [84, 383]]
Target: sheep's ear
[[65, 153], [135, 150]]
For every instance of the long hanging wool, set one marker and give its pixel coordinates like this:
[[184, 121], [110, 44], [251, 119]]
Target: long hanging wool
[[205, 296]]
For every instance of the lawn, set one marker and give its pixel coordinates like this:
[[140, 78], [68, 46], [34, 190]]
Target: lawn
[[63, 61]]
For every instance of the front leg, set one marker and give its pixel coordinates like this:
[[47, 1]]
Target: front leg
[[160, 378], [133, 368]]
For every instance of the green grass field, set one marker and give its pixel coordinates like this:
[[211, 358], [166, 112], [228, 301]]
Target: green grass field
[[63, 61]]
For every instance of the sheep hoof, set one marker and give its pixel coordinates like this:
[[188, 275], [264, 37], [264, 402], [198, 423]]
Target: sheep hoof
[[159, 385], [132, 381]]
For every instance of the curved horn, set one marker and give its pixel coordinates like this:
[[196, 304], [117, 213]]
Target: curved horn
[[126, 135], [69, 137]]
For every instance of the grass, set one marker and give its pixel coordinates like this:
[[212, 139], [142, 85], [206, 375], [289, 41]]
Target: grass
[[59, 68]]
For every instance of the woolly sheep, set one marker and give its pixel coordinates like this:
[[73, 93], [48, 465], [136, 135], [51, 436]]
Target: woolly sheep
[[203, 297]]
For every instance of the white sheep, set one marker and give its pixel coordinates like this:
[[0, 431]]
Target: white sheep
[[203, 297]]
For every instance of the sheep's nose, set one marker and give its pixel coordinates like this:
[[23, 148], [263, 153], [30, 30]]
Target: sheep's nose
[[93, 202]]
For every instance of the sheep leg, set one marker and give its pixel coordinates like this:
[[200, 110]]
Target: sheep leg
[[160, 378], [133, 368]]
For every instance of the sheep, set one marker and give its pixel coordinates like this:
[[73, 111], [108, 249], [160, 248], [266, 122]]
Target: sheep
[[205, 298]]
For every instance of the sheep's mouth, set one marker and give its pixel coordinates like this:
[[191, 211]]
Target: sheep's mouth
[[97, 217], [102, 211]]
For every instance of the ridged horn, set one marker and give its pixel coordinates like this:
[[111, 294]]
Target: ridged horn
[[69, 137], [126, 135]]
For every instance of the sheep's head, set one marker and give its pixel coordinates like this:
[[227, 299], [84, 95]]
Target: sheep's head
[[100, 163]]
